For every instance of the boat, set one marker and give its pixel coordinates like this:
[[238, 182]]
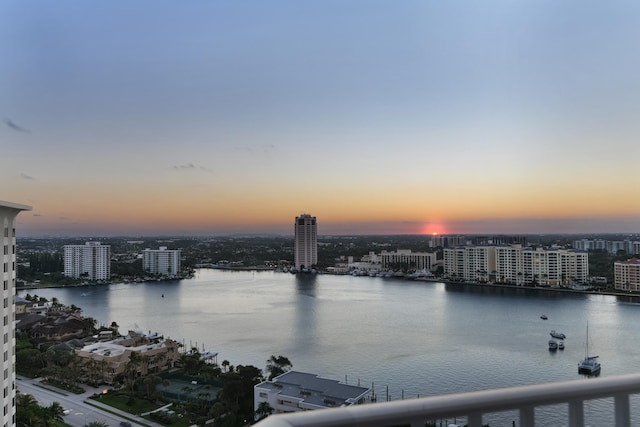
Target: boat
[[560, 345], [590, 364], [558, 335], [553, 345], [544, 317]]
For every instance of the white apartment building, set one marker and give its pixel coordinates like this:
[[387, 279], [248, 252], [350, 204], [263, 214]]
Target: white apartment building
[[298, 391], [517, 265], [470, 263], [8, 213], [405, 258], [305, 242], [627, 275], [91, 260], [161, 261]]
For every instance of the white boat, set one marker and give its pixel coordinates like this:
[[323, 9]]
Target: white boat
[[558, 335], [560, 345], [590, 364], [553, 345]]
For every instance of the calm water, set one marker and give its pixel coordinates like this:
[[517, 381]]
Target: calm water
[[412, 338]]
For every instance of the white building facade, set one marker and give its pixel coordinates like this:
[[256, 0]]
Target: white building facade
[[627, 275], [161, 261], [404, 258], [305, 242], [91, 260], [8, 213], [517, 265]]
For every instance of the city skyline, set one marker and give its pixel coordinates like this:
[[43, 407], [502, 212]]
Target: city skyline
[[220, 118]]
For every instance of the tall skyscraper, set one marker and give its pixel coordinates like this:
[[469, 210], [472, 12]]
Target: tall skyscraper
[[8, 213], [91, 260], [306, 242]]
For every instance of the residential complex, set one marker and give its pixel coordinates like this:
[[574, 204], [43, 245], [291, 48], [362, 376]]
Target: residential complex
[[8, 213], [161, 261], [306, 242], [517, 265], [627, 275], [630, 247], [296, 391], [410, 260], [113, 355], [91, 261]]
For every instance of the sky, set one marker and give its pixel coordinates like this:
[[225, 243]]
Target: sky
[[377, 117]]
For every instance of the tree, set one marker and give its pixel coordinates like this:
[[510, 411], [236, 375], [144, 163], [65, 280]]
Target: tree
[[278, 366], [56, 411], [264, 410]]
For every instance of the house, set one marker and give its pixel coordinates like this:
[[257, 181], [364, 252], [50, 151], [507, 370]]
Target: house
[[112, 357], [296, 391]]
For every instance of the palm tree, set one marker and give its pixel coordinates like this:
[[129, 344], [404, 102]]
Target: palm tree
[[56, 411]]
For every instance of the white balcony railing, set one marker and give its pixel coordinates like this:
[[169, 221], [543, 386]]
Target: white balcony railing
[[473, 405]]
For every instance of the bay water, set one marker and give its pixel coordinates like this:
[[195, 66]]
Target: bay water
[[402, 338]]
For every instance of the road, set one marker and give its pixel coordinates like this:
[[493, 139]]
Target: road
[[78, 413]]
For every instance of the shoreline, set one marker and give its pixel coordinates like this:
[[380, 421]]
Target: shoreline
[[630, 297]]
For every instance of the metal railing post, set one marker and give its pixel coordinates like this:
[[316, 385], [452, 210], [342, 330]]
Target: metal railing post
[[622, 410], [576, 413], [527, 417]]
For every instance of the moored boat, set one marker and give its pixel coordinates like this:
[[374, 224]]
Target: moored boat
[[553, 345], [558, 335], [590, 364]]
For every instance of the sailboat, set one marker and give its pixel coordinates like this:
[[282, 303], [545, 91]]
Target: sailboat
[[590, 364]]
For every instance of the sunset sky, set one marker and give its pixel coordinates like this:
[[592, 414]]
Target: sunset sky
[[377, 117]]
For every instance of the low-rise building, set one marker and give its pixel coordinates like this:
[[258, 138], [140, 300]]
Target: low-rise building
[[112, 357], [296, 391], [407, 260]]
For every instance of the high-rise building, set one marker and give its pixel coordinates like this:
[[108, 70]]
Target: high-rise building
[[161, 261], [306, 242], [91, 261], [8, 213]]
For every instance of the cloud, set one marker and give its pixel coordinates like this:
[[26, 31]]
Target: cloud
[[262, 149], [190, 166], [16, 127], [187, 166], [25, 176]]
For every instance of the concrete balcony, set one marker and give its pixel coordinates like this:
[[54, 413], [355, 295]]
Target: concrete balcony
[[474, 406]]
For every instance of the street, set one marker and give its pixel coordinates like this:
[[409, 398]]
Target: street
[[77, 413]]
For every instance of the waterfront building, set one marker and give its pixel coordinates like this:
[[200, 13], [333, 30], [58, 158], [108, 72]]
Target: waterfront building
[[305, 242], [473, 263], [91, 260], [517, 265], [8, 213], [627, 275], [113, 356], [296, 391], [407, 260], [509, 265], [161, 261]]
